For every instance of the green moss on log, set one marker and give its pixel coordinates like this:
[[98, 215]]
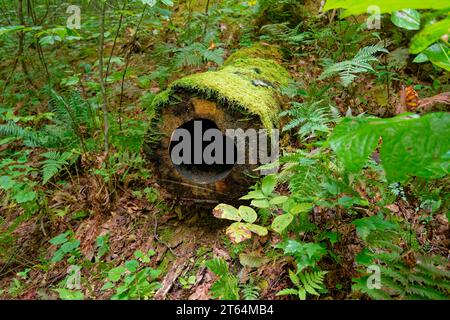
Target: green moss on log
[[245, 83]]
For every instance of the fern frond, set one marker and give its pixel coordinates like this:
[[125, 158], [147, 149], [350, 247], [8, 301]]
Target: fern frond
[[309, 117], [250, 292], [54, 164], [349, 69], [218, 266], [12, 129]]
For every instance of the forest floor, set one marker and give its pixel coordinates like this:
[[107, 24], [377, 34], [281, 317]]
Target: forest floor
[[182, 236]]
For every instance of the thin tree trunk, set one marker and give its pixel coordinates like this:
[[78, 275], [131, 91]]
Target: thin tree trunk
[[102, 80]]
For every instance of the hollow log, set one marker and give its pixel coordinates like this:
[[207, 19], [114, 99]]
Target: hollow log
[[243, 94]]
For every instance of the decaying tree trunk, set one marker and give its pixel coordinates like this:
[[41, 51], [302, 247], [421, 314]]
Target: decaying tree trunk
[[243, 94]]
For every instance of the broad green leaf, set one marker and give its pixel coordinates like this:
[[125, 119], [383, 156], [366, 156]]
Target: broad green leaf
[[268, 184], [248, 214], [107, 285], [6, 182], [132, 265], [355, 7], [439, 55], [24, 196], [260, 203], [218, 266], [66, 294], [408, 19], [281, 222], [301, 207], [225, 211], [411, 145], [365, 226], [238, 232], [9, 29], [115, 273], [353, 140], [421, 58], [278, 200], [259, 230], [256, 194], [429, 35]]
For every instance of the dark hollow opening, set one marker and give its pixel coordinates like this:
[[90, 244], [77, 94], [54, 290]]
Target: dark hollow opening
[[203, 173]]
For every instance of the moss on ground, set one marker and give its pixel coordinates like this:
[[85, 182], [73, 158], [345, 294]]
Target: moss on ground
[[245, 83]]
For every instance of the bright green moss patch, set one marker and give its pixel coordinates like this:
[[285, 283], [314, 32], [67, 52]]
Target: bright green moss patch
[[255, 51], [250, 84]]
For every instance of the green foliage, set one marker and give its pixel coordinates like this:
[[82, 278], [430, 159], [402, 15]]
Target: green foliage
[[133, 280], [306, 254], [195, 54], [428, 40], [405, 274], [239, 231], [227, 286], [311, 119], [407, 19], [67, 244], [411, 145], [305, 283], [187, 282], [250, 291], [348, 70], [54, 163], [354, 7], [102, 243]]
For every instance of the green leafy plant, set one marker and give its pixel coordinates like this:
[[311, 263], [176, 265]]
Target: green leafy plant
[[306, 254], [411, 145], [54, 163], [239, 231], [67, 244], [250, 291], [430, 43], [311, 119], [305, 283], [133, 280], [349, 69], [404, 273], [187, 282], [227, 286]]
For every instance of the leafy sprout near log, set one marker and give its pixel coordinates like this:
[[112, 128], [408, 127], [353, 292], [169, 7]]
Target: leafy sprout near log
[[359, 208]]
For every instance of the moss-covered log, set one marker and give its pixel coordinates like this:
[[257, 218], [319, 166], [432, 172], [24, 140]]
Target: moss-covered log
[[244, 93]]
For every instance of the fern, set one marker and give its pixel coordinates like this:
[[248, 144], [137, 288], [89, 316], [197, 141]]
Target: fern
[[349, 69], [12, 129], [218, 266], [306, 283], [227, 286], [54, 163], [426, 277], [280, 32], [250, 292], [311, 118], [195, 54]]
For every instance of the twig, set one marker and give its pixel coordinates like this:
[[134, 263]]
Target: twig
[[127, 62], [102, 80]]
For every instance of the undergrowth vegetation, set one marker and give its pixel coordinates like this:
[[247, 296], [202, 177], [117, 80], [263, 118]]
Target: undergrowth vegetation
[[358, 208]]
